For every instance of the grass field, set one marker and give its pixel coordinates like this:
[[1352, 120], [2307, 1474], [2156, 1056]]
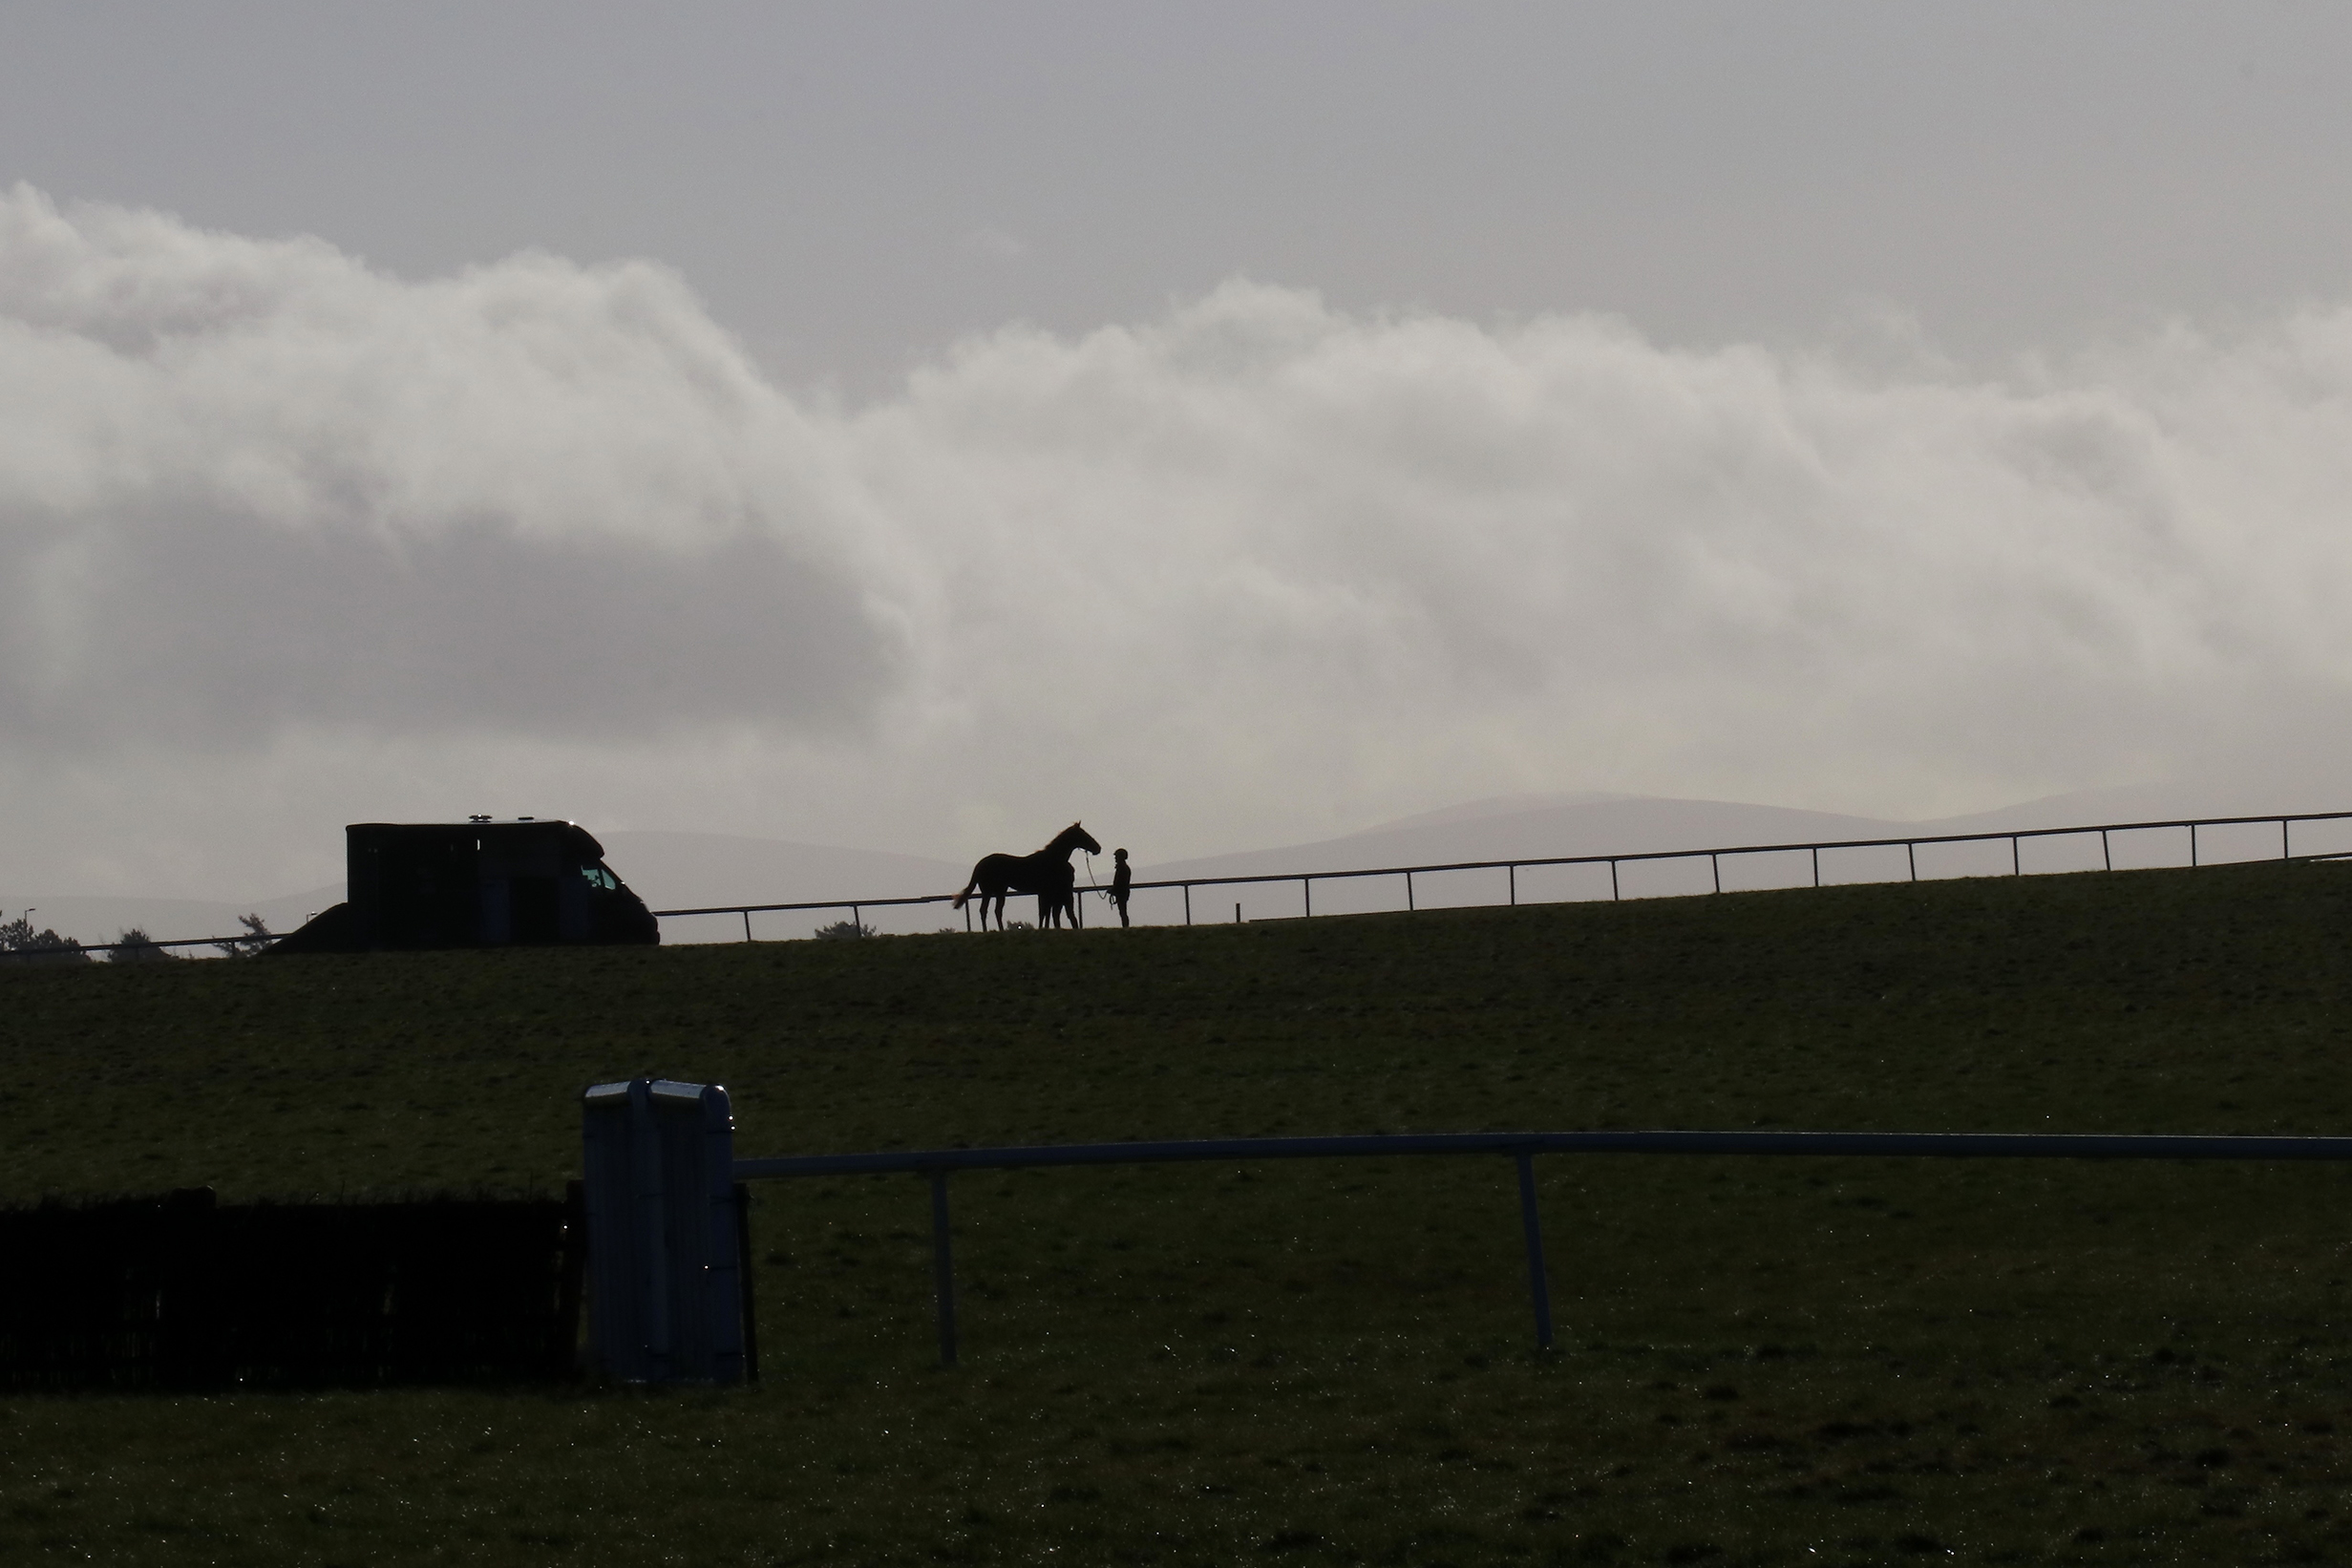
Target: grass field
[[1804, 1362]]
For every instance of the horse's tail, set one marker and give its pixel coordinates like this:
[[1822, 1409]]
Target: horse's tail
[[958, 901]]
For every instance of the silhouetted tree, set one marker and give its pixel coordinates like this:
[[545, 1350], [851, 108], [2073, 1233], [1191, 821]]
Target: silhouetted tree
[[135, 947], [256, 941], [21, 944], [843, 931]]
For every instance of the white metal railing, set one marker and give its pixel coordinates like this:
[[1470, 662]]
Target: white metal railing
[[1306, 880]]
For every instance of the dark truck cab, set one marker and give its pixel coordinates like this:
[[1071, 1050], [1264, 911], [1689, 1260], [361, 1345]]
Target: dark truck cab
[[526, 882]]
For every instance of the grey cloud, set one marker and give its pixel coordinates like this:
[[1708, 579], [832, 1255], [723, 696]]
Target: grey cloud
[[255, 486], [204, 630], [1255, 569], [1558, 554]]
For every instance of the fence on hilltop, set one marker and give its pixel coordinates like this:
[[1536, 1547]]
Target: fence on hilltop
[[2197, 829], [2198, 842]]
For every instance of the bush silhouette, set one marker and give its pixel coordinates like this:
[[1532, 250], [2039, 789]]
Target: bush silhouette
[[135, 947], [21, 944], [257, 938]]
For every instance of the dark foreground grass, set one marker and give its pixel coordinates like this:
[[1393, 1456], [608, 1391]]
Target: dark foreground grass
[[1810, 1362]]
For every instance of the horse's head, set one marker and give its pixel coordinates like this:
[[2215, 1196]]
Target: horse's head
[[1075, 836]]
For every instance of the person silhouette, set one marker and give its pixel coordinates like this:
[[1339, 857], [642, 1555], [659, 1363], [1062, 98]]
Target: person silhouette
[[1121, 880]]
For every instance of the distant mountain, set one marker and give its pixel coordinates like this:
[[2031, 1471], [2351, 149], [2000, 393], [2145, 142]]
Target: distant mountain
[[1500, 805], [2147, 803], [699, 870], [1509, 829], [1536, 827], [1533, 827]]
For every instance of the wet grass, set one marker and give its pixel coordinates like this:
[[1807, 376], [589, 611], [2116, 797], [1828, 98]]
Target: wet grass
[[1315, 1362]]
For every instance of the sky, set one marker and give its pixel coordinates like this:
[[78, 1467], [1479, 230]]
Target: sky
[[916, 426]]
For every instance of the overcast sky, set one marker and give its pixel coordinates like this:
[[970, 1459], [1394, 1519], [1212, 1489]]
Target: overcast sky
[[914, 426]]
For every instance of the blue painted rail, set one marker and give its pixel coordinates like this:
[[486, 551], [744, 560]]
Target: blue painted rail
[[937, 1164]]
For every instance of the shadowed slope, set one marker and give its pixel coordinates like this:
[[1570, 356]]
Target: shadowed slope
[[1327, 1362]]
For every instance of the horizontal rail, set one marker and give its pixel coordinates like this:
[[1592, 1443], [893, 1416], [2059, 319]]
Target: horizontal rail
[[2283, 820], [34, 954], [935, 1165], [1931, 1145], [1743, 849], [814, 904]]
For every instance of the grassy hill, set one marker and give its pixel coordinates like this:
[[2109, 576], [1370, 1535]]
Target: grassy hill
[[1760, 1361]]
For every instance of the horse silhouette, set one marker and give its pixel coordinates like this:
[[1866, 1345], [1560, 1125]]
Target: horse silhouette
[[1062, 902], [1048, 874]]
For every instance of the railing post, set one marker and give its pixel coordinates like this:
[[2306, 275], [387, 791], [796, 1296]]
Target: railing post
[[1412, 900], [665, 1226], [857, 920], [943, 1269], [1538, 1287]]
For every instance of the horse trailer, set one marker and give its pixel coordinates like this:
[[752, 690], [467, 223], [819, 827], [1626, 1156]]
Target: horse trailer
[[525, 883]]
